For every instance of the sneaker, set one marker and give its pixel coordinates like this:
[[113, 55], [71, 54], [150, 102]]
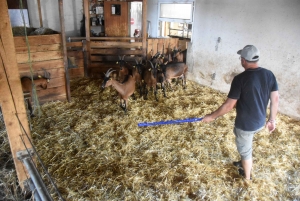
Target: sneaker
[[242, 173], [238, 164]]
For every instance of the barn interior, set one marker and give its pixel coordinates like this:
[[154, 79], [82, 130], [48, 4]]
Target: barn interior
[[84, 146]]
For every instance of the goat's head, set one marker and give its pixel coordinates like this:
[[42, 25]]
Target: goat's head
[[121, 61], [154, 58], [44, 80], [139, 66], [175, 52], [106, 77], [153, 69]]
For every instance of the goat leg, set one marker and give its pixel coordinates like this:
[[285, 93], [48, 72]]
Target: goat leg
[[29, 106], [125, 105], [133, 96], [146, 93], [164, 89], [184, 81]]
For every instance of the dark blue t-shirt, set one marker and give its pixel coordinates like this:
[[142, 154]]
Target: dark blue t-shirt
[[252, 89]]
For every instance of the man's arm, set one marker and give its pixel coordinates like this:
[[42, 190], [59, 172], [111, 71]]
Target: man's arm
[[223, 109], [274, 102]]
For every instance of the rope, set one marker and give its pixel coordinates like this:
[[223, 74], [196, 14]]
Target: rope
[[33, 89]]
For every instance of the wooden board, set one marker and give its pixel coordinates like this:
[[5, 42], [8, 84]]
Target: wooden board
[[116, 52], [75, 51], [11, 99], [39, 56], [20, 41], [115, 44]]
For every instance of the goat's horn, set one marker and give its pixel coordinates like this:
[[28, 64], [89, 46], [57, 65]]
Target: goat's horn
[[119, 57], [136, 61], [151, 64], [123, 57], [46, 73], [107, 74]]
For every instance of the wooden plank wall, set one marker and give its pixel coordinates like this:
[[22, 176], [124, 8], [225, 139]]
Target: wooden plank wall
[[105, 51], [46, 53], [162, 45], [75, 54]]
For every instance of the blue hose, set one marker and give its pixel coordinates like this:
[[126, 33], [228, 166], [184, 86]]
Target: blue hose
[[143, 124]]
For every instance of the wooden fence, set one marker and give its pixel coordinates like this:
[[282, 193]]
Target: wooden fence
[[101, 53], [45, 53]]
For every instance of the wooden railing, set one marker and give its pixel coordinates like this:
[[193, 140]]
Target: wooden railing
[[101, 53]]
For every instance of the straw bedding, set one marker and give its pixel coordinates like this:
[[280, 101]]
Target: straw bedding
[[95, 151]]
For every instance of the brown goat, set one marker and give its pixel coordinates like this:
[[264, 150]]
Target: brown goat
[[150, 81], [125, 69], [125, 89], [174, 70], [138, 73], [28, 85]]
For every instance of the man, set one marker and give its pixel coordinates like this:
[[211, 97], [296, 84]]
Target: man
[[250, 92]]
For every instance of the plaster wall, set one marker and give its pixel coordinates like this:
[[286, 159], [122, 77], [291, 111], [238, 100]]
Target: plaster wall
[[271, 25]]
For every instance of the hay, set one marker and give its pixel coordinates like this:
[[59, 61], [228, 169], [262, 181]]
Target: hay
[[95, 151]]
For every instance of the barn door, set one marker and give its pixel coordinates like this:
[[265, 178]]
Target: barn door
[[116, 18]]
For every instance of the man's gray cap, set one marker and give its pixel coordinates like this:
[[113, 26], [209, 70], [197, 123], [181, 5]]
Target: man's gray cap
[[250, 53]]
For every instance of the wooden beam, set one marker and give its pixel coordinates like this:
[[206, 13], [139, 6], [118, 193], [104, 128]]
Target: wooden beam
[[144, 32], [11, 99], [40, 13], [63, 38], [86, 8]]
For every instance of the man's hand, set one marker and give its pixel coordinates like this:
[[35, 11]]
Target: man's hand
[[208, 118], [271, 125]]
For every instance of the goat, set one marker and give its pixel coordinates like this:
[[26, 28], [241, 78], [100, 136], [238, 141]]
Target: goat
[[149, 77], [174, 70], [125, 89], [138, 72], [28, 86], [125, 69]]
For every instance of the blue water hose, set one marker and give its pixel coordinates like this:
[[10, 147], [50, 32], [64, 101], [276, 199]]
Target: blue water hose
[[143, 124]]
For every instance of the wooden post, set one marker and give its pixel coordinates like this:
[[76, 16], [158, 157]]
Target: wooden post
[[144, 34], [86, 7], [40, 13], [63, 38], [11, 98]]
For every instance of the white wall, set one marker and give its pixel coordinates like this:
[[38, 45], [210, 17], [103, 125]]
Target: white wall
[[271, 25], [73, 11]]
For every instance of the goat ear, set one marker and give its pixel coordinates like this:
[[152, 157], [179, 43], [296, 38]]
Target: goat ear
[[117, 62], [39, 76]]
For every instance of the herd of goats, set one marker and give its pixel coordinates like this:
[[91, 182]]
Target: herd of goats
[[143, 76]]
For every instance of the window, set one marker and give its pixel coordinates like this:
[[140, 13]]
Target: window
[[176, 19], [182, 11]]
